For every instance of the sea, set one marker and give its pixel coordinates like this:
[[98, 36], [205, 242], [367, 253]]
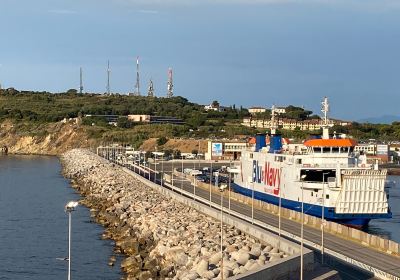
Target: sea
[[34, 225]]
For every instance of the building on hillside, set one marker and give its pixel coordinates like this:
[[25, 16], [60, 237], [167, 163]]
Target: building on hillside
[[280, 110], [155, 119], [256, 110], [290, 124], [374, 152]]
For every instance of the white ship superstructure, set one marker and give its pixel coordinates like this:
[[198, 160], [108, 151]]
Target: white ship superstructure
[[326, 173]]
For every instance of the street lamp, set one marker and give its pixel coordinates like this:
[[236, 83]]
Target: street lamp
[[211, 177], [302, 226], [279, 209], [182, 173], [323, 217], [162, 170], [68, 209], [222, 189], [252, 203]]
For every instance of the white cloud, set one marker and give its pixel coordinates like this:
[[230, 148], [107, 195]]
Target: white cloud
[[63, 12]]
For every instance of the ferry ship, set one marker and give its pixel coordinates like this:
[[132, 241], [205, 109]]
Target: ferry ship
[[326, 174]]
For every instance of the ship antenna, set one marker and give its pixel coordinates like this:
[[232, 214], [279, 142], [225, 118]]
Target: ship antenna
[[273, 123], [325, 121]]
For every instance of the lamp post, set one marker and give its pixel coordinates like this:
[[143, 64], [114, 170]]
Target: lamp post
[[302, 227], [162, 170], [252, 203], [211, 176], [229, 187], [279, 209], [172, 173], [323, 217], [222, 189], [182, 174], [69, 207], [155, 168]]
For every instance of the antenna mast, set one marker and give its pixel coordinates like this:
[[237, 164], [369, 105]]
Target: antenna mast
[[150, 92], [273, 122], [325, 121], [81, 81], [108, 78], [137, 86], [170, 85]]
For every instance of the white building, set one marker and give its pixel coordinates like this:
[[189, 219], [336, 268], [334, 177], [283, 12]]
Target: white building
[[255, 110]]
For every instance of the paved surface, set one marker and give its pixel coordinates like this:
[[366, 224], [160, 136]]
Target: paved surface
[[382, 261]]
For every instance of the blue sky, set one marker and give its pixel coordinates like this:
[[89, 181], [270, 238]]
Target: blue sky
[[243, 52]]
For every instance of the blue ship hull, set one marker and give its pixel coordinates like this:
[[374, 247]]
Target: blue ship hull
[[353, 220]]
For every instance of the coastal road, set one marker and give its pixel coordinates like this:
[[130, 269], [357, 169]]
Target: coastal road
[[384, 262]]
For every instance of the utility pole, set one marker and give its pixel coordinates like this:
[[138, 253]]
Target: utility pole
[[170, 85]]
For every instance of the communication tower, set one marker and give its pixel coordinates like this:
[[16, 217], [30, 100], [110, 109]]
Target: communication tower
[[170, 85], [108, 78], [150, 92], [325, 120], [81, 81], [137, 86]]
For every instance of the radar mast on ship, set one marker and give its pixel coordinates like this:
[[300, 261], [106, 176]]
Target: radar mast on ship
[[325, 120]]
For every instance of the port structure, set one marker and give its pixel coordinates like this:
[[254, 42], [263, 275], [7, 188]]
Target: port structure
[[170, 85]]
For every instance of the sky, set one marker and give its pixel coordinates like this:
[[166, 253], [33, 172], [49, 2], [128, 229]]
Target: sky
[[242, 52]]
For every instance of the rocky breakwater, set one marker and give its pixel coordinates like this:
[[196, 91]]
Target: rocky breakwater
[[161, 238]]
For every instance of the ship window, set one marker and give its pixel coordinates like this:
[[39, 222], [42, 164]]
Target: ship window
[[326, 150], [317, 175], [251, 155], [327, 196], [317, 149], [335, 150], [312, 194], [298, 161]]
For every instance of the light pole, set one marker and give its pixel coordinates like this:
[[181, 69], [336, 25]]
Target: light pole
[[229, 187], [155, 168], [323, 217], [162, 170], [182, 174], [222, 189], [69, 207], [211, 176], [172, 173], [148, 168], [302, 227], [252, 203], [279, 209]]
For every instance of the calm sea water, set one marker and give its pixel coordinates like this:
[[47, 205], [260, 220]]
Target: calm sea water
[[34, 226], [389, 228]]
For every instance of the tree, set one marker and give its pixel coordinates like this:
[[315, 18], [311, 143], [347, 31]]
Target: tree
[[215, 104], [162, 140]]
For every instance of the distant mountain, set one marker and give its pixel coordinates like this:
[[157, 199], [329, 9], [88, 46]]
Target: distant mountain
[[388, 119]]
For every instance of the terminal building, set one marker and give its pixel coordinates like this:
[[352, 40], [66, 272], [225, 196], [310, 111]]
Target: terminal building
[[225, 150]]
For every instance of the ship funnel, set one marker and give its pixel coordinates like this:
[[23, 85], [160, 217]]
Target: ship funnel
[[260, 141], [276, 144]]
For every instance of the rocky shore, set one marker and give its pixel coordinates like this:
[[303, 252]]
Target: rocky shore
[[161, 238]]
